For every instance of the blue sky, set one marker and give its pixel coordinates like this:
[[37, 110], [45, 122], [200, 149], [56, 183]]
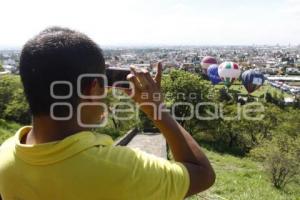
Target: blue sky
[[156, 22]]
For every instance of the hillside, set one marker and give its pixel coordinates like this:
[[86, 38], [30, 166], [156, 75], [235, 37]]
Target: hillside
[[243, 179], [274, 141], [237, 178]]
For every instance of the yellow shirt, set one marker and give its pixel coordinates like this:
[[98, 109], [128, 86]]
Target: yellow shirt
[[85, 166]]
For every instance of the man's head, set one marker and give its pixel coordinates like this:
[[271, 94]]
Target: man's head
[[59, 54]]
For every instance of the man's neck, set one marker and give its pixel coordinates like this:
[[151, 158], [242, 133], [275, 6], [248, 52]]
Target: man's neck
[[44, 129]]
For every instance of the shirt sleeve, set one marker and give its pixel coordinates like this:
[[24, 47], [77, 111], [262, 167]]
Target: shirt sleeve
[[155, 178]]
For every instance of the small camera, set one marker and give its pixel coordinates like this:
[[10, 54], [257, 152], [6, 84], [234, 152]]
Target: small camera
[[117, 74]]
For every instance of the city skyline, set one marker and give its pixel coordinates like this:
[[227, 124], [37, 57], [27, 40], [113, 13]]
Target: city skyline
[[157, 23]]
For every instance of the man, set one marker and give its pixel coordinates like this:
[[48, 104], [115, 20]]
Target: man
[[59, 159]]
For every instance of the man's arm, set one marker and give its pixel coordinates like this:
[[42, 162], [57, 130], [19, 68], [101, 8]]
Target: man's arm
[[187, 151], [184, 148]]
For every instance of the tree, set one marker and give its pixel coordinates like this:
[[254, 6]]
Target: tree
[[240, 135], [13, 104], [120, 117], [184, 89]]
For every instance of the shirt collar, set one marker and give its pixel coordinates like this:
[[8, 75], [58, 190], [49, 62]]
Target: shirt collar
[[47, 153]]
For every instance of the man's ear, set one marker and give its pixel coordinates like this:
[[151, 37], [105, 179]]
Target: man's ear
[[94, 89]]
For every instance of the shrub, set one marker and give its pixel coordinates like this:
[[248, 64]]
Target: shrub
[[1, 68], [110, 130], [240, 135], [145, 123], [7, 129], [281, 157], [120, 118]]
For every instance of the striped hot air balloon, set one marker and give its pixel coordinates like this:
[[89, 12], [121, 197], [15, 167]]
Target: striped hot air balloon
[[206, 62], [229, 72]]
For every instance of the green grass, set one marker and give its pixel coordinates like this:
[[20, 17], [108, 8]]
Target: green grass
[[243, 179], [7, 129]]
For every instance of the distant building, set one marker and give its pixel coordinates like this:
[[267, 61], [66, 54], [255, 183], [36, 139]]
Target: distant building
[[9, 62], [146, 66], [190, 67], [297, 63], [292, 70], [129, 58], [9, 68], [269, 70]]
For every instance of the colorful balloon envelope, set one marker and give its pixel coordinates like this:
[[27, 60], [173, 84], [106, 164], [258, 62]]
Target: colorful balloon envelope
[[212, 73], [252, 80], [229, 72], [206, 62]]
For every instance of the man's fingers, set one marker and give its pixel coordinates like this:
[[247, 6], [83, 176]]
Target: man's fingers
[[132, 78], [149, 79], [158, 75], [140, 75]]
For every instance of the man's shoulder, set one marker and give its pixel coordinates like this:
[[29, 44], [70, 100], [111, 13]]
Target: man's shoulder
[[6, 152], [122, 156], [118, 156], [116, 153], [7, 144]]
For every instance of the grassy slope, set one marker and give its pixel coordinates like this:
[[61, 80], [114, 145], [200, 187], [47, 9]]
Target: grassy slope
[[7, 129], [243, 179]]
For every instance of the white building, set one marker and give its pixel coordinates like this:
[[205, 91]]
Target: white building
[[292, 70]]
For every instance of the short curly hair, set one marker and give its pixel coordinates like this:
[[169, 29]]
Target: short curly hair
[[57, 54]]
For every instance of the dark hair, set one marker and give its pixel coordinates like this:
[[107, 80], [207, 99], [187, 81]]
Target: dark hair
[[57, 54]]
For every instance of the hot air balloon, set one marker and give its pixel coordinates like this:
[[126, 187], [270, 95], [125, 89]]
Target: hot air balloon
[[229, 72], [252, 80], [206, 62], [213, 75]]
